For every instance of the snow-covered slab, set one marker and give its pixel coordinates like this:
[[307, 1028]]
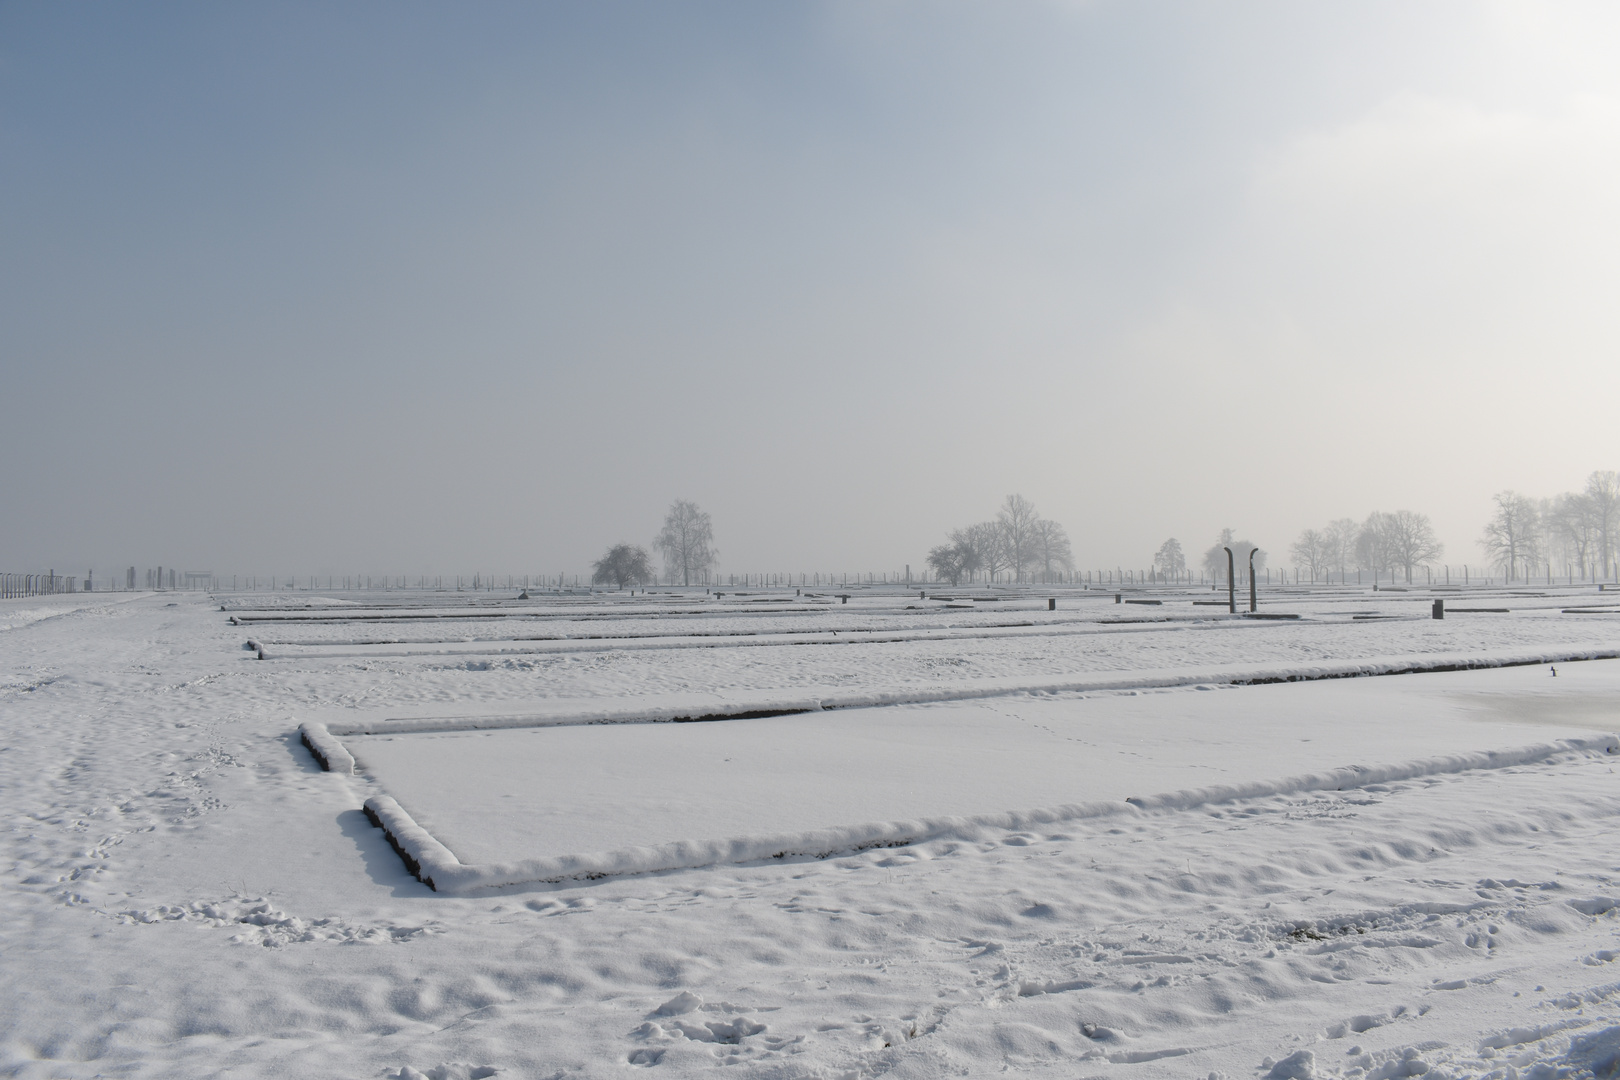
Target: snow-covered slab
[[516, 805], [751, 704], [497, 634], [602, 642]]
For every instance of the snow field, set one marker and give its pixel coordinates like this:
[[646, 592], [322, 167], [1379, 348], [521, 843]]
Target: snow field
[[187, 894], [570, 801], [541, 629], [718, 677]]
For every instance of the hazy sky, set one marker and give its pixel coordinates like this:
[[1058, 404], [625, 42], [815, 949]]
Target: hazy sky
[[422, 288]]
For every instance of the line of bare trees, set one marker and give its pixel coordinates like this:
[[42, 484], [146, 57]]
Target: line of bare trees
[[1576, 533], [1579, 531], [1018, 540], [1399, 541]]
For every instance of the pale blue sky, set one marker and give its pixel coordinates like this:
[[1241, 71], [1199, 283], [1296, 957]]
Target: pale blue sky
[[410, 288]]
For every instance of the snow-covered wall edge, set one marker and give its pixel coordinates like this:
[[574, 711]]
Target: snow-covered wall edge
[[436, 866], [424, 856], [327, 750]]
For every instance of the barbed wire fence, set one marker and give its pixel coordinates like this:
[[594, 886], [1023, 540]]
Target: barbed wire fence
[[157, 579], [13, 586]]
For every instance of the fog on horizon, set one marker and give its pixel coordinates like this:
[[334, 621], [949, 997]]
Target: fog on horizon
[[422, 289]]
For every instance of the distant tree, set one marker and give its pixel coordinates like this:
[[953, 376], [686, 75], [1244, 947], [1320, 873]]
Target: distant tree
[[1550, 540], [966, 544], [1339, 540], [1215, 557], [1170, 561], [1051, 548], [1372, 545], [686, 542], [1511, 534], [1018, 520], [1603, 489], [1409, 541], [950, 562], [988, 541], [1576, 526], [1019, 539], [623, 565], [1311, 552]]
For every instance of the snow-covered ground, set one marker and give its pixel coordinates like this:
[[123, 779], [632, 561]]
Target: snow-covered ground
[[546, 792], [189, 895]]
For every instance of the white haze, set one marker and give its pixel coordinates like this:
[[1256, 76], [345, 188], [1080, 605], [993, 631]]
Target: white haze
[[415, 290]]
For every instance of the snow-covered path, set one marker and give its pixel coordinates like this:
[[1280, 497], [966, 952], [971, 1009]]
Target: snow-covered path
[[186, 894]]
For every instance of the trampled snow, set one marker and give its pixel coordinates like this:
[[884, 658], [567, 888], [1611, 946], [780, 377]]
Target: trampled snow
[[190, 895]]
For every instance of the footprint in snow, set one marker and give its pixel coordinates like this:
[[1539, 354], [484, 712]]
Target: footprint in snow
[[451, 1071], [685, 1003]]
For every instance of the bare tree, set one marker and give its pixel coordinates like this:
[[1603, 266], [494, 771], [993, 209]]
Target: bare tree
[[990, 546], [1051, 548], [1018, 519], [1512, 532], [952, 561], [1311, 552], [1549, 540], [1169, 560], [1409, 541], [686, 542], [1577, 525], [623, 565], [1372, 545], [1603, 488], [966, 543], [1019, 539], [1340, 540]]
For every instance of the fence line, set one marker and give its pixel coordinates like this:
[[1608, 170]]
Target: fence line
[[13, 586], [50, 583]]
